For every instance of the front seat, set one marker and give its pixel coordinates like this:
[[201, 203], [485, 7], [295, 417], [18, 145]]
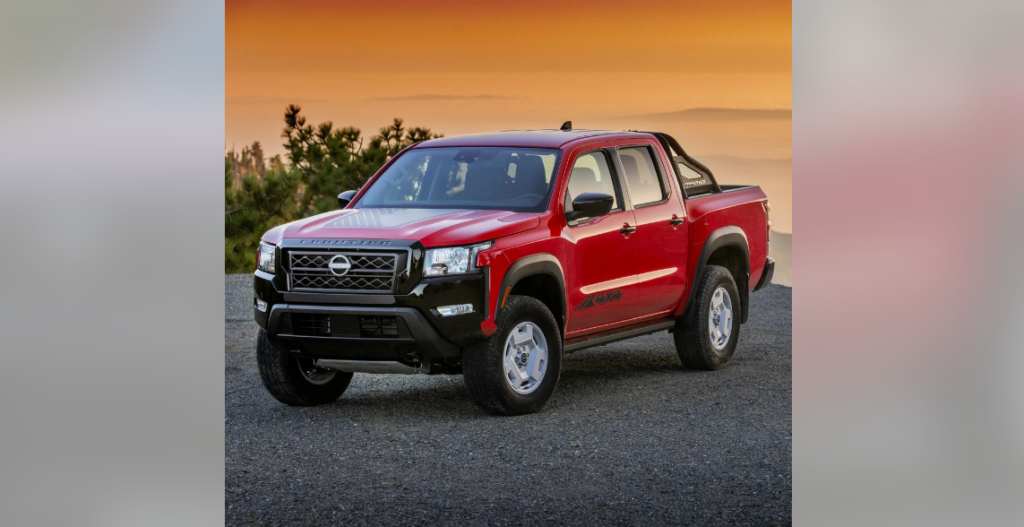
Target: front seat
[[530, 176], [481, 183]]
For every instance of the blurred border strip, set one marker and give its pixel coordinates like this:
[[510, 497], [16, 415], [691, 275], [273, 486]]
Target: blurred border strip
[[111, 380], [908, 124]]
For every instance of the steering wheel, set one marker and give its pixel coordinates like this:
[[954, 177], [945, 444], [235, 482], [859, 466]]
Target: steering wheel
[[538, 196]]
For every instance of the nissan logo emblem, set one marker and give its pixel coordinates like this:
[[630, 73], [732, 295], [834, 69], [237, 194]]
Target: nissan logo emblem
[[339, 265]]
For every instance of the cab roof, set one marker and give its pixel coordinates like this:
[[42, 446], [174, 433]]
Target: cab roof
[[524, 138]]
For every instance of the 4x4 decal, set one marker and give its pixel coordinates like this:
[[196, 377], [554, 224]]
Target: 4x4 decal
[[598, 299]]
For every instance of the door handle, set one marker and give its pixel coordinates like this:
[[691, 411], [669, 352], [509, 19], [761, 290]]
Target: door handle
[[626, 230], [676, 220]]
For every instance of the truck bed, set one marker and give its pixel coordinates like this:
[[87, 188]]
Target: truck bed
[[736, 205]]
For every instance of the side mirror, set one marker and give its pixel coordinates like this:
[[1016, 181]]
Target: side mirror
[[590, 205], [345, 198]]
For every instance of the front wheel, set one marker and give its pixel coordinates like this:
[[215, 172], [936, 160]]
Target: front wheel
[[297, 381], [515, 371], [708, 341]]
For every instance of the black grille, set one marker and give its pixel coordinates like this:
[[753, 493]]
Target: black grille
[[341, 325], [310, 324], [343, 283], [375, 326], [368, 272]]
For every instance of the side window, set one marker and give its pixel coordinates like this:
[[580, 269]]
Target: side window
[[590, 173], [642, 178]]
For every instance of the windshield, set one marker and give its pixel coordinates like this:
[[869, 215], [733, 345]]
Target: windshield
[[498, 178]]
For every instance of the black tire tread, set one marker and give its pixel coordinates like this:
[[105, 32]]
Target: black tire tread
[[281, 376], [691, 338], [482, 367]]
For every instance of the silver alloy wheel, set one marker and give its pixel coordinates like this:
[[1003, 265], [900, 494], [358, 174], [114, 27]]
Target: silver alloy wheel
[[526, 357], [720, 318], [313, 373]]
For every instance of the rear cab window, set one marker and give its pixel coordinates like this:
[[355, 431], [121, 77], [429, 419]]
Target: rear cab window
[[644, 180]]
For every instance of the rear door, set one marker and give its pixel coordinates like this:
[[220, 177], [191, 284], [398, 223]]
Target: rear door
[[602, 281], [661, 229]]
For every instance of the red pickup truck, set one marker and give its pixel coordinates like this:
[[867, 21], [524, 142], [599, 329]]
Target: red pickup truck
[[492, 255]]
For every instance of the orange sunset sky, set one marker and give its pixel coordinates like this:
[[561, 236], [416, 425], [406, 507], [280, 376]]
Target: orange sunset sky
[[715, 74]]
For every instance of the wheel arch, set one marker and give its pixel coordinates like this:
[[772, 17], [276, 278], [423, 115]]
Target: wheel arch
[[534, 276], [727, 247]]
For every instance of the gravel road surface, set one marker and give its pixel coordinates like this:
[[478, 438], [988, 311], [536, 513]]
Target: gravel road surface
[[629, 438]]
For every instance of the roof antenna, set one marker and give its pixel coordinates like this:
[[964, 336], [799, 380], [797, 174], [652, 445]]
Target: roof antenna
[[566, 125]]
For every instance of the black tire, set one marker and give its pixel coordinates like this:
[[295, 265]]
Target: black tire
[[693, 337], [284, 380], [482, 364]]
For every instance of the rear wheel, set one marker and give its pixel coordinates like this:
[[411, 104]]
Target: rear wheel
[[515, 371], [709, 340], [297, 381]]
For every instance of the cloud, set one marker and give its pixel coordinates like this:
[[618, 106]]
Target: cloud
[[261, 99], [718, 114], [428, 97]]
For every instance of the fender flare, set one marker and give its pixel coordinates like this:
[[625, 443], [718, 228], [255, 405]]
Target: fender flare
[[723, 237], [542, 263]]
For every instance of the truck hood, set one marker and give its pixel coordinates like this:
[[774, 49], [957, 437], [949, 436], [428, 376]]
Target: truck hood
[[432, 227]]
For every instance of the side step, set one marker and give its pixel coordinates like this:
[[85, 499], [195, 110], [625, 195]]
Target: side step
[[371, 366], [607, 338]]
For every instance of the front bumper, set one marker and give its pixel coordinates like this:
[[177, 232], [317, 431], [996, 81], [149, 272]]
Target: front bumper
[[382, 327], [766, 274]]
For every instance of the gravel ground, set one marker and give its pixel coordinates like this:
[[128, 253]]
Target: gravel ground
[[629, 438]]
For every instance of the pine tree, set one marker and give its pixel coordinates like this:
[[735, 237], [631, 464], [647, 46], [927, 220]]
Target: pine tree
[[254, 205], [260, 194], [333, 160]]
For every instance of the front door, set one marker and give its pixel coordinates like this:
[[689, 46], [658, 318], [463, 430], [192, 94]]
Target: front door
[[602, 282]]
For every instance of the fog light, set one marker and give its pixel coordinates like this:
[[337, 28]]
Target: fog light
[[261, 305], [461, 309]]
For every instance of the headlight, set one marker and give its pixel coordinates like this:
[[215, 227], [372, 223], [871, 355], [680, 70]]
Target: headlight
[[265, 258], [452, 260]]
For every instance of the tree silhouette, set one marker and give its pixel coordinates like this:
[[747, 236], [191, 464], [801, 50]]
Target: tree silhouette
[[322, 162], [333, 160], [253, 205]]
